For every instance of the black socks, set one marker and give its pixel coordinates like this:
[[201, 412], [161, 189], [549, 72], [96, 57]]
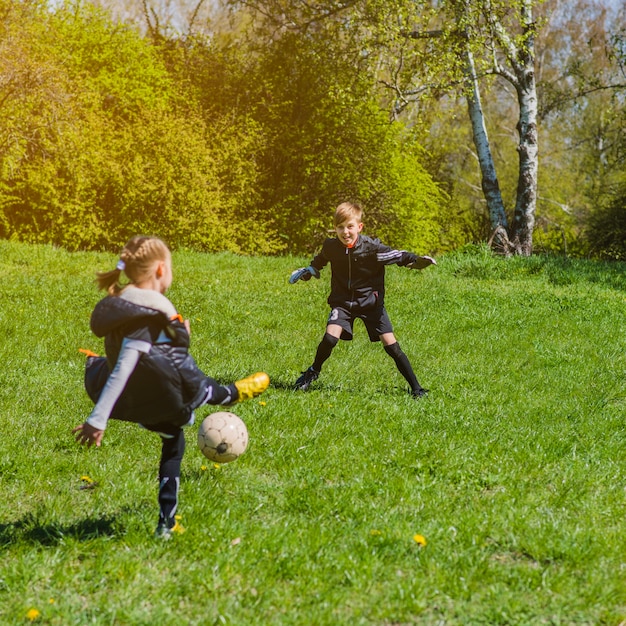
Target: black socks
[[323, 351], [404, 367], [394, 351]]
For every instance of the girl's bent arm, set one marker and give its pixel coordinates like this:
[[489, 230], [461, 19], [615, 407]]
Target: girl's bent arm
[[127, 361]]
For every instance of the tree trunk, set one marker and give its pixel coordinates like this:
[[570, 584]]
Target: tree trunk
[[526, 202], [489, 178], [521, 58]]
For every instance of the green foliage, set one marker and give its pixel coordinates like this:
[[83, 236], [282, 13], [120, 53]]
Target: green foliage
[[121, 150], [511, 469], [411, 215], [228, 143], [119, 74], [244, 134], [326, 138], [607, 228], [582, 122]]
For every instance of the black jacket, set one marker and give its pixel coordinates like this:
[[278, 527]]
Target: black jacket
[[358, 273], [167, 385]]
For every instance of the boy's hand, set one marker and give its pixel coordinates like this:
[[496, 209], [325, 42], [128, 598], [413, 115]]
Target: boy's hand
[[87, 434], [304, 273], [421, 262]]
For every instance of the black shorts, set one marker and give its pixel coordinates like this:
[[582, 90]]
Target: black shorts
[[376, 321]]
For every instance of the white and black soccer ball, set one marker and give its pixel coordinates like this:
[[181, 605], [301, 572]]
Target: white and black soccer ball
[[222, 437]]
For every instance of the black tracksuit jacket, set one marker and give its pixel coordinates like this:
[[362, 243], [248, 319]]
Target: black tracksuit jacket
[[167, 384], [358, 273]]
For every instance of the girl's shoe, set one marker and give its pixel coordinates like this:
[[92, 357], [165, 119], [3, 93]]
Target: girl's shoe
[[252, 386]]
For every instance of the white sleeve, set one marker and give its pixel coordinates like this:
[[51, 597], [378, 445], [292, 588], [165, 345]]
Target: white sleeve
[[126, 362]]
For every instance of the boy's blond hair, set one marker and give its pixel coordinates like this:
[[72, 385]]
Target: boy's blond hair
[[346, 211], [136, 260]]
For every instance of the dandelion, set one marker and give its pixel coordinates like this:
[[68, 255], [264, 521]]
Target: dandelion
[[216, 465], [51, 601], [88, 483], [420, 540], [33, 614], [262, 403], [203, 468], [375, 533]]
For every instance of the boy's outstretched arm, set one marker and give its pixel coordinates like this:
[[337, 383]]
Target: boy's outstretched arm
[[304, 273], [421, 262], [389, 256]]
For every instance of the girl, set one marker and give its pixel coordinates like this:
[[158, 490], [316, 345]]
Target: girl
[[148, 376]]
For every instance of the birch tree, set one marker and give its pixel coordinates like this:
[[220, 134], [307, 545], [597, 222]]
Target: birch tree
[[514, 60], [490, 37], [425, 49]]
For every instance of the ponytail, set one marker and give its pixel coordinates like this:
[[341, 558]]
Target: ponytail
[[110, 281]]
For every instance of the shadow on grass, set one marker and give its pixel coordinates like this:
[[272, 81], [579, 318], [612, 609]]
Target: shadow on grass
[[283, 385], [318, 385], [390, 390], [30, 530]]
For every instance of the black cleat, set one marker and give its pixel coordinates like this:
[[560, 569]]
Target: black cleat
[[304, 382], [419, 393]]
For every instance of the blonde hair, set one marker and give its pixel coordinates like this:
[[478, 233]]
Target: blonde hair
[[136, 261], [346, 211]]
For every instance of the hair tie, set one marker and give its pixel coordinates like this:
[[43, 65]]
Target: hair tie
[[121, 266]]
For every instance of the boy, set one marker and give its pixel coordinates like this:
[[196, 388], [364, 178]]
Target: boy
[[357, 290]]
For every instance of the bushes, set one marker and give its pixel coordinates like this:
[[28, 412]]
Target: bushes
[[241, 148], [607, 228], [116, 150]]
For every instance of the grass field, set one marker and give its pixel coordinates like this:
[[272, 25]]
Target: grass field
[[512, 470]]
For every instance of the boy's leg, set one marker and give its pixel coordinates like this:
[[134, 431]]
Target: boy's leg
[[324, 350], [325, 347], [392, 348], [172, 450]]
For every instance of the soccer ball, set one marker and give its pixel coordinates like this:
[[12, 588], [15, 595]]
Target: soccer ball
[[222, 437]]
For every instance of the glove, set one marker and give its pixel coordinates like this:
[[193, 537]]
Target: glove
[[421, 262], [304, 273], [252, 386]]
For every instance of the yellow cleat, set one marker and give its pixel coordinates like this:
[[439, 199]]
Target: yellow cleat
[[178, 528], [252, 386]]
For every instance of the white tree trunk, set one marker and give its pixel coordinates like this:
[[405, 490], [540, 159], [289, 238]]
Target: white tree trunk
[[489, 178], [521, 61], [526, 202]]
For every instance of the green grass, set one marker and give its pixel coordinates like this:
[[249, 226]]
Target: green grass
[[513, 469]]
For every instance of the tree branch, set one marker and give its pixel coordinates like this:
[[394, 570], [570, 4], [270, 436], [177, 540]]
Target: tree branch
[[422, 34]]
